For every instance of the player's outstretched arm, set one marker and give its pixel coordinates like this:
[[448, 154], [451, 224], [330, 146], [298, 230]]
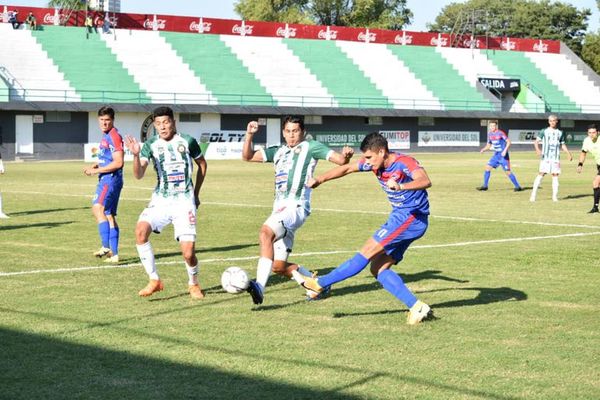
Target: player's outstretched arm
[[139, 167], [334, 173], [248, 152], [342, 158], [485, 148]]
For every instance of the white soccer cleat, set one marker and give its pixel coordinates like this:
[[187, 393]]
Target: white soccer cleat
[[104, 251], [2, 215], [419, 312], [532, 199], [112, 260]]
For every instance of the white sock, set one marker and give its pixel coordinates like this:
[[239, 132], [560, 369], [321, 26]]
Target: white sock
[[304, 271], [147, 258], [192, 274], [263, 271], [536, 184], [555, 188]]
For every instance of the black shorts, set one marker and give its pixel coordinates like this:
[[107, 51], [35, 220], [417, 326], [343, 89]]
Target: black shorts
[[598, 167]]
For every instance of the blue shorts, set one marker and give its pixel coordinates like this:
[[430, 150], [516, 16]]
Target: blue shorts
[[107, 193], [399, 231], [497, 160]]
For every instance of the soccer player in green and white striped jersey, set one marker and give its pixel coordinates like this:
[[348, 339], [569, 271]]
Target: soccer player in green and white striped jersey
[[294, 164], [552, 140], [591, 144], [175, 197]]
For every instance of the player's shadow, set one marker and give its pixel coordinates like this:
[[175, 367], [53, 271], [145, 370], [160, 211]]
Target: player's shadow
[[407, 278], [206, 291], [49, 210], [483, 296], [69, 369], [46, 225], [208, 249], [576, 196]]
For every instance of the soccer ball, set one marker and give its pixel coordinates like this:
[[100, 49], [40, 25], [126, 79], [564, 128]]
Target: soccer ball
[[235, 280]]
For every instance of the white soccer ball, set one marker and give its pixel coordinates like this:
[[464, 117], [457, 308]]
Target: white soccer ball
[[235, 280]]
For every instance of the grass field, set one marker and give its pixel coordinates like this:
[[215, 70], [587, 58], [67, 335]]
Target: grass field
[[514, 286]]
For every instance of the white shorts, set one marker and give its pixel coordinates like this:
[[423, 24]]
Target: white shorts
[[164, 211], [285, 222], [550, 167]]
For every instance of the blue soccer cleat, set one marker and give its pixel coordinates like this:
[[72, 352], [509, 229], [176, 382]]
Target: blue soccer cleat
[[255, 292]]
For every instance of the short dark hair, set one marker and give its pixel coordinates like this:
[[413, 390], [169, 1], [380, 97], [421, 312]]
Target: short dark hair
[[293, 119], [374, 141], [592, 126], [163, 111], [106, 110]]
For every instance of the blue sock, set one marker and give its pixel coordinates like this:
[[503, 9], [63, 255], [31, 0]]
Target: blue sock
[[392, 282], [486, 178], [513, 179], [104, 231], [349, 268], [114, 240]]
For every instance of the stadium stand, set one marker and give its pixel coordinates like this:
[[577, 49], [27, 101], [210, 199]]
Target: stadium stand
[[280, 71], [250, 69], [88, 64], [165, 78], [195, 50], [28, 71], [391, 76], [517, 64], [334, 69], [568, 78], [442, 78]]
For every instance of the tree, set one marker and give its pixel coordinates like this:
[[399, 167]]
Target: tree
[[590, 53], [68, 4], [387, 14], [519, 18], [289, 11]]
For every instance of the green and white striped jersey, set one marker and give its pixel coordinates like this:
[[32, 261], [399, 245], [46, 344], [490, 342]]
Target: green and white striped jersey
[[293, 168], [551, 140], [173, 162]]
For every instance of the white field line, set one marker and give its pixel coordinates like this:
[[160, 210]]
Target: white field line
[[215, 203], [221, 260]]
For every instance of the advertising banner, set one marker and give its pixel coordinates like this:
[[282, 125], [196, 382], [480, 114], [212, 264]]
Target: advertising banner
[[90, 152], [156, 22], [397, 140], [576, 138], [339, 139], [448, 138], [522, 136], [222, 145]]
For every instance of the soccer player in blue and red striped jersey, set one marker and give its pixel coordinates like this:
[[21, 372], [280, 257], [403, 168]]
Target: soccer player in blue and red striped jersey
[[404, 181], [109, 169], [499, 142]]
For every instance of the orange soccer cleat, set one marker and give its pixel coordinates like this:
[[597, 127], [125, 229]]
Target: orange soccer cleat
[[195, 292], [155, 285]]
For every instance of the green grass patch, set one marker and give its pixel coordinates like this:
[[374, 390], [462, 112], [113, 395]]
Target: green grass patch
[[514, 286]]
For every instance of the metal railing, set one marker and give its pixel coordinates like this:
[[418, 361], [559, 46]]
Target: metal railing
[[144, 98]]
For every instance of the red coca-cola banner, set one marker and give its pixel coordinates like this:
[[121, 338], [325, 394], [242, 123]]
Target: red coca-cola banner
[[50, 16]]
